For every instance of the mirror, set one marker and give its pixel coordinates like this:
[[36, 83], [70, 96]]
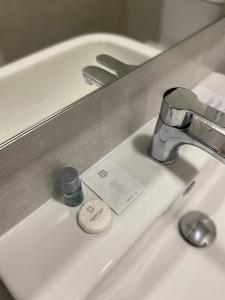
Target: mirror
[[90, 44]]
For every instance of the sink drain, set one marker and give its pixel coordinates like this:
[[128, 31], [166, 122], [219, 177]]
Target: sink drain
[[197, 229]]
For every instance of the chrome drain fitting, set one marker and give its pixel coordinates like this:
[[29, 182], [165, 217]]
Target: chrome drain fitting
[[197, 229]]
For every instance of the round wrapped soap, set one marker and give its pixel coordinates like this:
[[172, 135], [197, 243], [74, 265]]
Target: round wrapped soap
[[95, 216]]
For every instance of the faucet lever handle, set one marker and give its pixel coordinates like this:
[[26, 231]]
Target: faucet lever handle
[[180, 105], [98, 76], [114, 64]]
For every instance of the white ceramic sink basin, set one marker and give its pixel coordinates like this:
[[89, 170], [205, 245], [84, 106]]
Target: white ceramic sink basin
[[161, 265], [38, 86], [48, 256]]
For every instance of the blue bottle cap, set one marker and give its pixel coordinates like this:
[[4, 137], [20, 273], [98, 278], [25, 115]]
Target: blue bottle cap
[[69, 180]]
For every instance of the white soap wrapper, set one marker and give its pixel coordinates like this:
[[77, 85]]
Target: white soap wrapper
[[210, 97], [112, 184]]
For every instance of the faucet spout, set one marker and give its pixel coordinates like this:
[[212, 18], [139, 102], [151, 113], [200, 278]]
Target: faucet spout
[[185, 120]]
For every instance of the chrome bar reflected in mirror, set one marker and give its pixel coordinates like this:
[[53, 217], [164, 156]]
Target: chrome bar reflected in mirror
[[100, 77], [119, 67], [97, 76]]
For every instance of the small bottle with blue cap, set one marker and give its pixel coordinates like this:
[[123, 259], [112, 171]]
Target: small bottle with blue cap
[[71, 186]]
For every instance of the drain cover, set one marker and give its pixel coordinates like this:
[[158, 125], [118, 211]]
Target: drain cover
[[197, 229]]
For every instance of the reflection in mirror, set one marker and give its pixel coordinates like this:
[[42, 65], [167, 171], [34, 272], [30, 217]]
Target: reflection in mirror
[[90, 44]]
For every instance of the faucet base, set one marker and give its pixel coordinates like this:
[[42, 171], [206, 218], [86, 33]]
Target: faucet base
[[167, 162]]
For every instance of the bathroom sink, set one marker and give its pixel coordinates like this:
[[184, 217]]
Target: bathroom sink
[[161, 265], [48, 256], [40, 85]]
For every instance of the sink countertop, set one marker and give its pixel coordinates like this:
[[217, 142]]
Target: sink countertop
[[47, 256]]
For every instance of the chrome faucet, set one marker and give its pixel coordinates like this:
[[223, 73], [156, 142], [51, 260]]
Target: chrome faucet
[[184, 119]]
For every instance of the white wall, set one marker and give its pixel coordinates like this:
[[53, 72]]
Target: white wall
[[29, 25], [143, 18], [168, 21], [181, 18], [1, 58]]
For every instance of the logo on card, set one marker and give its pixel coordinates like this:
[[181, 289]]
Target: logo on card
[[102, 173]]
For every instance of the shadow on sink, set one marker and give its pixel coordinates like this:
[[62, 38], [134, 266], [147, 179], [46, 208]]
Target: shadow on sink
[[147, 273], [4, 294], [142, 143]]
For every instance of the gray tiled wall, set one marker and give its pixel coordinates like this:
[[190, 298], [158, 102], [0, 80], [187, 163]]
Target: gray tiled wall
[[88, 130]]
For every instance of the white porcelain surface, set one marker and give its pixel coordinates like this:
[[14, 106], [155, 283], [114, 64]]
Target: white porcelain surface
[[161, 265], [49, 257], [40, 85]]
